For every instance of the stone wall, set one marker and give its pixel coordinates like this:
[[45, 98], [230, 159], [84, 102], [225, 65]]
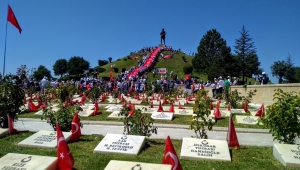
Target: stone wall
[[264, 93]]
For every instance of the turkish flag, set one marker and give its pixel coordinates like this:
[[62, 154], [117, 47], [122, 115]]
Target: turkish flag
[[76, 131], [245, 106], [12, 130], [231, 137], [228, 107], [65, 159], [110, 75], [96, 108], [217, 112], [170, 156], [12, 19], [211, 105], [32, 107], [160, 108], [180, 106], [171, 108], [151, 104], [261, 111], [83, 98]]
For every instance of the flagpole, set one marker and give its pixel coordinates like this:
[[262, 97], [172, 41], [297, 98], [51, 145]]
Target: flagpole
[[5, 50]]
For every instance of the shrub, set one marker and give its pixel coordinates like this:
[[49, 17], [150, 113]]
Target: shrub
[[125, 59], [100, 69], [282, 117], [188, 69], [123, 70], [116, 69], [118, 59]]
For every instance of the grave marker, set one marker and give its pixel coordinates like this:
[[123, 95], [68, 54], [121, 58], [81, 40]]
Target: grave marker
[[3, 132], [248, 120], [43, 138], [238, 111], [184, 111], [13, 161], [204, 149], [162, 115], [126, 165], [119, 143], [287, 154], [115, 114]]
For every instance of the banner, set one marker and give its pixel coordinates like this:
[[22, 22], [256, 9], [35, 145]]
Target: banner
[[161, 70]]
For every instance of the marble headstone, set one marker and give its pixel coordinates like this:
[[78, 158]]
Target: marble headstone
[[115, 114], [184, 111], [204, 149], [162, 115], [237, 111], [13, 161], [287, 154], [44, 138], [3, 132], [126, 165], [248, 120], [119, 143]]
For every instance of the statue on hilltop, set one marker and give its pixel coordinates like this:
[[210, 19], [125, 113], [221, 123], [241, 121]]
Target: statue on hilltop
[[163, 36]]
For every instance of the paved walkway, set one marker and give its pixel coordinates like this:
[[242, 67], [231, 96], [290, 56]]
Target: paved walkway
[[252, 137]]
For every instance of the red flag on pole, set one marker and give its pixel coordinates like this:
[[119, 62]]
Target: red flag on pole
[[261, 111], [12, 130], [12, 19], [170, 156], [231, 137], [110, 75], [65, 159], [160, 108], [171, 108], [76, 131]]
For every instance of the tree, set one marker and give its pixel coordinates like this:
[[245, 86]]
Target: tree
[[290, 74], [297, 74], [211, 46], [109, 59], [60, 67], [41, 72], [278, 69], [245, 49], [102, 62], [77, 65], [187, 69]]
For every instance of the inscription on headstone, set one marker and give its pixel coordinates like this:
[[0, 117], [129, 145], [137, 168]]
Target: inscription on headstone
[[13, 161], [204, 149], [249, 120], [162, 115], [287, 154], [184, 111], [43, 138], [238, 111], [126, 165], [117, 143]]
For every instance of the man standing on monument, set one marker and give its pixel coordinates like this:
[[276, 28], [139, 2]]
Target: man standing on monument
[[162, 36]]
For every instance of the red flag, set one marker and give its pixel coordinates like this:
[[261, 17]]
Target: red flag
[[217, 112], [171, 108], [160, 108], [32, 107], [12, 130], [76, 131], [66, 103], [170, 156], [12, 19], [180, 106], [166, 101], [110, 75], [231, 137], [24, 101], [261, 111], [228, 107], [151, 104], [245, 106], [211, 105], [65, 159], [96, 108]]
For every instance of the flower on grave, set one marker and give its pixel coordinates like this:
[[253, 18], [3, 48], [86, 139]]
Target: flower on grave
[[43, 107]]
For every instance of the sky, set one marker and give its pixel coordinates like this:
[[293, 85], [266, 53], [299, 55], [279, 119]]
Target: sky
[[98, 29]]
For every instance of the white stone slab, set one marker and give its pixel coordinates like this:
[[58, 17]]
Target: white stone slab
[[43, 138], [119, 143], [238, 111], [126, 165], [204, 149], [136, 101], [14, 161], [224, 113], [207, 118], [40, 112], [248, 120], [149, 110], [115, 114], [162, 115], [287, 154], [184, 111], [113, 108], [114, 100], [3, 132], [86, 112]]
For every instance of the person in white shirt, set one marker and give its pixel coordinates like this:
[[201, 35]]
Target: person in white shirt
[[221, 85]]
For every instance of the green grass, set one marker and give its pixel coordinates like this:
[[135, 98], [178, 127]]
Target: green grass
[[246, 158], [177, 119]]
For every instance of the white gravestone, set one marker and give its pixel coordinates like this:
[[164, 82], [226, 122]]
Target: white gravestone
[[207, 118], [119, 143], [149, 110], [13, 161], [87, 111], [126, 165], [237, 111], [162, 115], [43, 138], [114, 108], [115, 114], [184, 111], [3, 132], [248, 120], [287, 154], [224, 113], [204, 149]]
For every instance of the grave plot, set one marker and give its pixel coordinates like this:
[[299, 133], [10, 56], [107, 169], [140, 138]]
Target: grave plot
[[119, 143], [14, 161], [125, 165], [237, 111], [114, 108], [248, 120], [162, 115], [287, 154], [204, 149], [43, 138], [3, 132], [184, 111], [87, 111], [207, 118], [224, 113], [115, 114], [112, 100]]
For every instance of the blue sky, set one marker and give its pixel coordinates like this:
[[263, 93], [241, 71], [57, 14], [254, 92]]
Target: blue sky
[[98, 29]]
